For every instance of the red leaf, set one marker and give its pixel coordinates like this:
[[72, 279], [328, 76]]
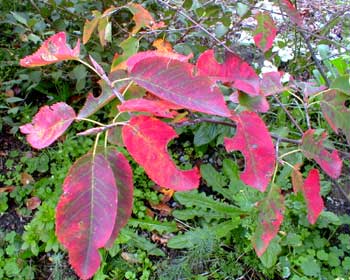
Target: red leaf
[[265, 31], [54, 49], [133, 60], [123, 176], [234, 70], [292, 12], [270, 219], [48, 124], [314, 149], [159, 108], [254, 141], [86, 212], [312, 195], [146, 140], [172, 80]]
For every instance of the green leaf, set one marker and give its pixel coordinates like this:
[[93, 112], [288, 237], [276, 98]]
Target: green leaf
[[269, 258], [193, 238], [242, 9], [193, 198], [20, 18], [152, 225], [342, 84], [310, 267], [207, 132], [216, 180]]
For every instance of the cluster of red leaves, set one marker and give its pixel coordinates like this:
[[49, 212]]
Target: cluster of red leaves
[[98, 188]]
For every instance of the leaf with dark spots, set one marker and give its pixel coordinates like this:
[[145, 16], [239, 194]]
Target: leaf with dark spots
[[336, 112], [146, 139], [315, 149], [53, 50], [265, 32]]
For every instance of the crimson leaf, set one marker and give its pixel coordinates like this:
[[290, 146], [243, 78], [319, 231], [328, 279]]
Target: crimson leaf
[[48, 124], [86, 212], [172, 80], [234, 70], [123, 176], [311, 190], [292, 12], [254, 141], [146, 140]]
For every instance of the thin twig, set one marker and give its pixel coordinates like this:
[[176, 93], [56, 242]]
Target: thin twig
[[341, 190], [288, 114], [201, 27], [314, 58]]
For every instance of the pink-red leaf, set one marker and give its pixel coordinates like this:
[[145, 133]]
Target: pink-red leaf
[[159, 108], [271, 83], [146, 140], [265, 32], [172, 80], [123, 176], [292, 12], [54, 49], [254, 141], [133, 60], [234, 71], [86, 212], [48, 124], [270, 219], [311, 190], [315, 149]]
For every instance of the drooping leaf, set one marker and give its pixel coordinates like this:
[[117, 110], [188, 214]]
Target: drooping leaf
[[130, 47], [102, 28], [172, 80], [234, 70], [159, 108], [123, 177], [265, 32], [270, 219], [54, 49], [336, 112], [311, 190], [292, 12], [133, 60], [142, 18], [254, 141], [48, 124], [93, 104], [297, 178], [90, 26], [146, 140], [314, 149], [86, 212]]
